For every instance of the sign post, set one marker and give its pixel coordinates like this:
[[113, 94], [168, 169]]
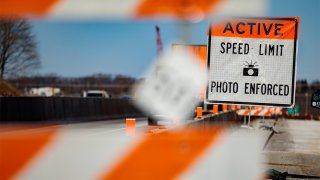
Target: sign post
[[252, 61]]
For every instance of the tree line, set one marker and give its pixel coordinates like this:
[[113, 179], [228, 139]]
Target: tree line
[[302, 86], [116, 85], [94, 79]]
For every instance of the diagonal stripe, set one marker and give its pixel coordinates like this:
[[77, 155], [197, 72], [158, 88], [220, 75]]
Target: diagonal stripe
[[257, 113], [23, 7], [164, 156], [17, 148], [242, 112], [176, 8], [78, 153], [268, 112], [246, 112]]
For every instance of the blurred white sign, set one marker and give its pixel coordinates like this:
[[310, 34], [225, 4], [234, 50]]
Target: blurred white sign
[[172, 85]]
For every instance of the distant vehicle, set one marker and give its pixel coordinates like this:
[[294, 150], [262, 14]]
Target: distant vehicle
[[126, 97], [96, 93], [45, 91]]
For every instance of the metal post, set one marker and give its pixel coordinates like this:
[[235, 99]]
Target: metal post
[[306, 103], [245, 125], [205, 106], [249, 116]]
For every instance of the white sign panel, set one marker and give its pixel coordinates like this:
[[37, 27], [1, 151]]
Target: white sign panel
[[253, 61], [172, 85]]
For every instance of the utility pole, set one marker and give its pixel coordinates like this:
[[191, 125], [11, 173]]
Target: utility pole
[[159, 42]]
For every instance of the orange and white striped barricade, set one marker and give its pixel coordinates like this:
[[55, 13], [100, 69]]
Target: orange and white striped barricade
[[278, 111], [107, 8], [262, 111], [256, 111], [75, 153], [194, 10], [243, 112]]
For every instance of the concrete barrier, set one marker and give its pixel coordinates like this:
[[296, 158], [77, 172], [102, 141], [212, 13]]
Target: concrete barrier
[[225, 117], [64, 109]]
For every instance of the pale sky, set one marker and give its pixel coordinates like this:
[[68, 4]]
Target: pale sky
[[78, 48]]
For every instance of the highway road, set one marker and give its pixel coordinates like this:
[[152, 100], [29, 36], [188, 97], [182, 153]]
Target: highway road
[[105, 127], [85, 128]]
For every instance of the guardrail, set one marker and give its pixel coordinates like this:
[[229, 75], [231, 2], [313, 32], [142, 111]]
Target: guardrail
[[64, 109]]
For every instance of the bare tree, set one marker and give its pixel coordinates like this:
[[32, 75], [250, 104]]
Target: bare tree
[[18, 48]]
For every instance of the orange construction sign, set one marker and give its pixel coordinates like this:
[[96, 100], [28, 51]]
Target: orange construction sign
[[253, 61]]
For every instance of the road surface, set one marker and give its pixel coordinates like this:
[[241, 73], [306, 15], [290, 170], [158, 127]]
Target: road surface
[[295, 148]]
